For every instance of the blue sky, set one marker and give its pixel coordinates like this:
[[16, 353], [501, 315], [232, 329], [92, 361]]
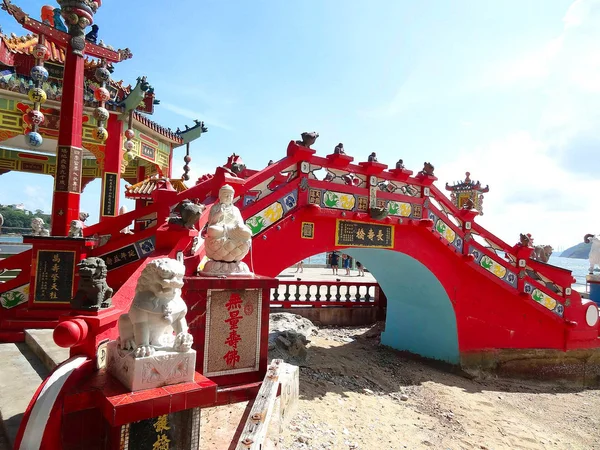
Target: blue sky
[[506, 90]]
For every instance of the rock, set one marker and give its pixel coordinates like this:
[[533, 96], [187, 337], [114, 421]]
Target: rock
[[368, 391], [279, 322], [288, 337], [284, 341], [404, 397]]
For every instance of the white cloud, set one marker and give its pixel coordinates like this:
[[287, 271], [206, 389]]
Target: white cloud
[[195, 115], [576, 14], [529, 191], [37, 197]]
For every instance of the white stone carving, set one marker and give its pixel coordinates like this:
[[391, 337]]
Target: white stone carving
[[37, 227], [227, 239], [76, 229], [154, 346], [157, 310], [163, 368], [594, 253]]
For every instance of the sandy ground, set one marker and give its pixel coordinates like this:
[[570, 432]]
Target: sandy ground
[[355, 394]]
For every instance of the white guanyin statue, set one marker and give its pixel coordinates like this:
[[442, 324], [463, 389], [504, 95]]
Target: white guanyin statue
[[227, 238], [594, 251], [37, 227]]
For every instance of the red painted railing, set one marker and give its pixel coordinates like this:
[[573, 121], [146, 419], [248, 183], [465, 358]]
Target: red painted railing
[[319, 294]]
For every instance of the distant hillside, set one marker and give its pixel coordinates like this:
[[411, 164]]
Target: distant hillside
[[579, 251]]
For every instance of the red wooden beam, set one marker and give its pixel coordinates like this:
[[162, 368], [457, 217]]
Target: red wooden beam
[[61, 38]]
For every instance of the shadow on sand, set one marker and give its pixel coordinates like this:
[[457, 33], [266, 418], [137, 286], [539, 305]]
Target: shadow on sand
[[353, 360]]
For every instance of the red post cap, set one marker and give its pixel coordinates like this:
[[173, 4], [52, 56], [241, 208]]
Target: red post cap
[[70, 333]]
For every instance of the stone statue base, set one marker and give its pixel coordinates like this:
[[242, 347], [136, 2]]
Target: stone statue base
[[164, 368], [232, 269]]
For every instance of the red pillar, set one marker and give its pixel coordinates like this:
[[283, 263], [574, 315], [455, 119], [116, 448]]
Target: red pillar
[[69, 155], [111, 174], [139, 204], [170, 170]]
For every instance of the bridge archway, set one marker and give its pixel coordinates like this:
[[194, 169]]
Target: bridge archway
[[417, 276], [420, 317]]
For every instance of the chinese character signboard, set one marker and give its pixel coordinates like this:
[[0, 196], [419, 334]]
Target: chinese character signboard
[[109, 194], [308, 230], [148, 152], [232, 343], [360, 234], [75, 170], [54, 276], [63, 162], [27, 166], [128, 254], [69, 161], [180, 430]]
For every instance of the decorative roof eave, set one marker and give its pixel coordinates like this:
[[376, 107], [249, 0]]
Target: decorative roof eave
[[462, 187], [467, 185], [23, 45], [157, 130], [144, 189]]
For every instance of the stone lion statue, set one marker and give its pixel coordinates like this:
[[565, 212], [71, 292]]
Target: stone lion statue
[[542, 253], [93, 292], [308, 139], [37, 227], [157, 310], [76, 229]]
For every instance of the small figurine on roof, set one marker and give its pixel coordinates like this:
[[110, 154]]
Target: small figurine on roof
[[372, 157], [468, 205], [308, 139], [525, 240], [92, 36], [400, 165], [427, 169], [339, 149]]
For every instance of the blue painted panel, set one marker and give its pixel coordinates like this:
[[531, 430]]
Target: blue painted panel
[[420, 317]]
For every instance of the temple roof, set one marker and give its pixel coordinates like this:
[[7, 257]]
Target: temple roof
[[167, 132], [144, 189], [23, 45]]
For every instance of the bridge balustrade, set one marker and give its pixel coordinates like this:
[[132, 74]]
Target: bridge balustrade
[[319, 294]]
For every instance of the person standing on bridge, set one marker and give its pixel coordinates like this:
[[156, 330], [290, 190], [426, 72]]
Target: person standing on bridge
[[335, 259], [346, 263], [361, 269]]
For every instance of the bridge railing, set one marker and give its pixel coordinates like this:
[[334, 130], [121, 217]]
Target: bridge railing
[[323, 294]]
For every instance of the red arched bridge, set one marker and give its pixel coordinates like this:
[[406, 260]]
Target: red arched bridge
[[455, 291]]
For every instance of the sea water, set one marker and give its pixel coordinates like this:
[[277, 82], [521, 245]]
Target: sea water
[[579, 267]]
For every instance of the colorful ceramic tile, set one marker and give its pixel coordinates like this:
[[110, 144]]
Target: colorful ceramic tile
[[265, 218], [547, 301], [289, 201], [399, 209], [445, 230], [492, 266], [14, 297], [339, 200]]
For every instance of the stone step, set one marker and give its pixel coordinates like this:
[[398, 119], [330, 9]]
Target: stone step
[[22, 373], [42, 344]]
